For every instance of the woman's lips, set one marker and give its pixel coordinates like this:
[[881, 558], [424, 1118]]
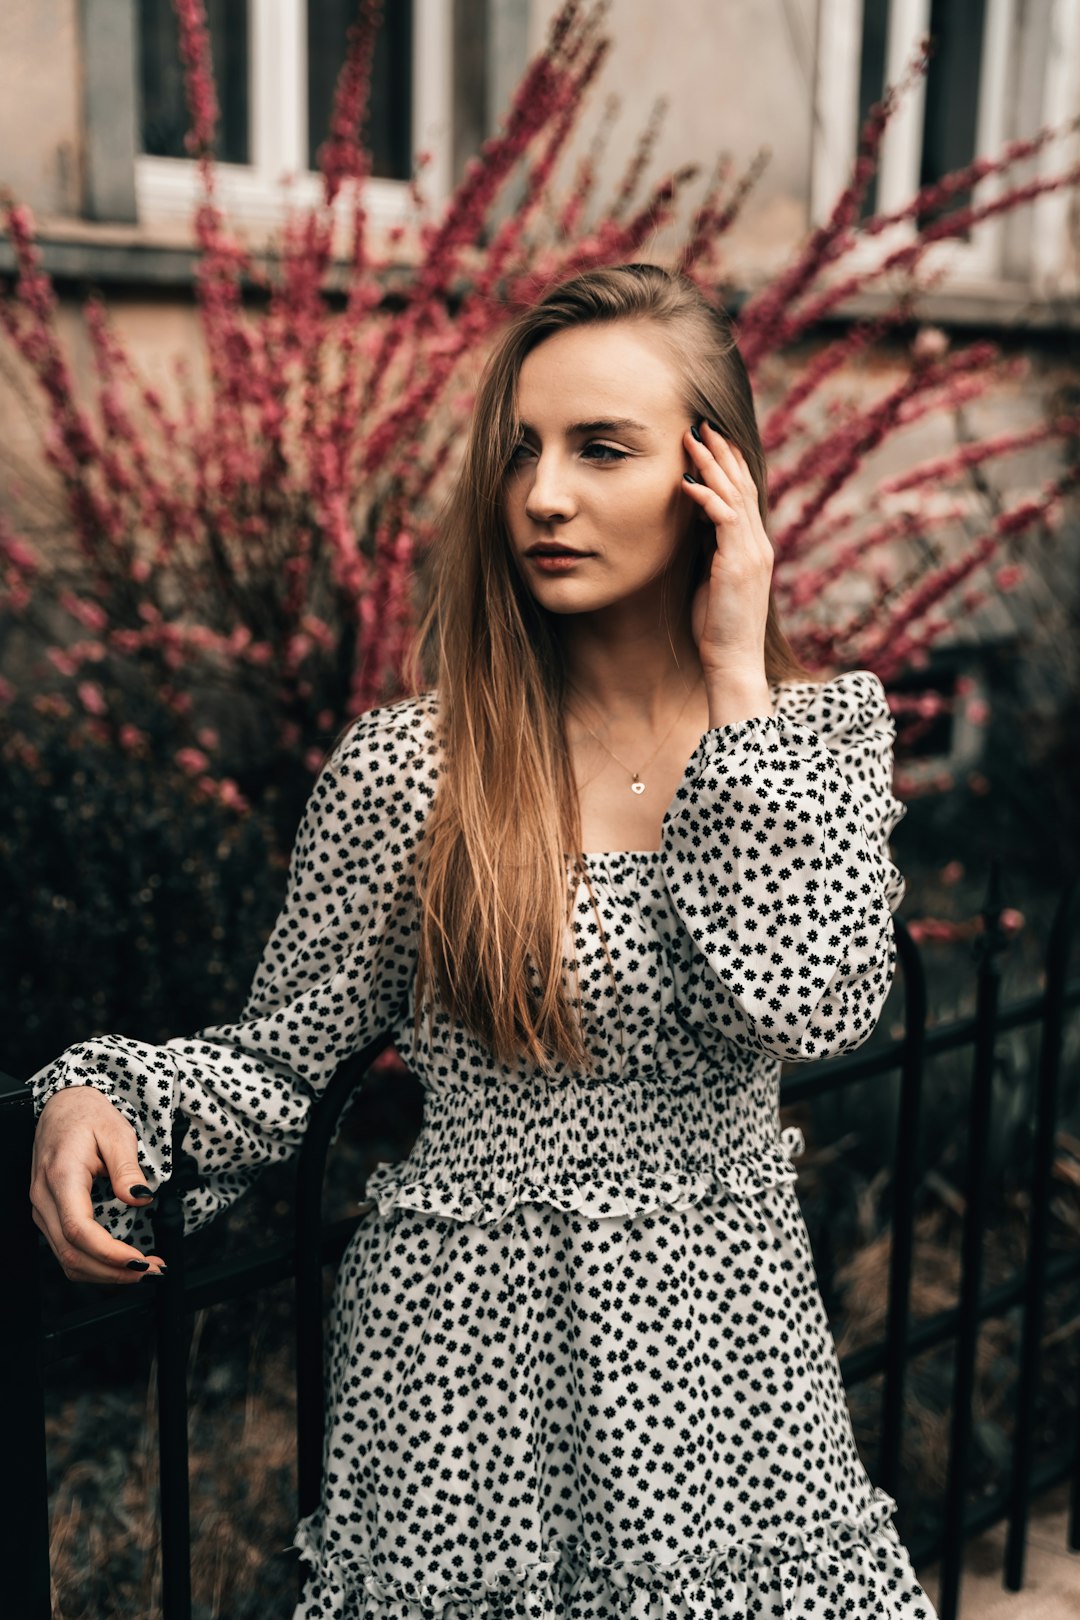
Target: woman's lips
[[552, 563]]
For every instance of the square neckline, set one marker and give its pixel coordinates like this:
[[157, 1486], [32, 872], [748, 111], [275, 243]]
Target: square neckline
[[614, 854], [625, 854]]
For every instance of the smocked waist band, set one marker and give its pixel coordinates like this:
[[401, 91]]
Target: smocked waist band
[[602, 1149]]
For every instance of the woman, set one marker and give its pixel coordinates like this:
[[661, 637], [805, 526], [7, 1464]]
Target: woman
[[614, 864]]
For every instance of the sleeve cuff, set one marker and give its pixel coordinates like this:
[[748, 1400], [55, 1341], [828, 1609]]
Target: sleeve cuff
[[62, 1075], [768, 733]]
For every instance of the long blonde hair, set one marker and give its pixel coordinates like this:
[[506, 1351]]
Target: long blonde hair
[[494, 885]]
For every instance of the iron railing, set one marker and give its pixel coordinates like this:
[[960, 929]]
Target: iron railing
[[29, 1342]]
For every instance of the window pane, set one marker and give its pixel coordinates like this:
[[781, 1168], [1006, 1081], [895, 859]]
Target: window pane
[[875, 33], [163, 116], [952, 95], [389, 126]]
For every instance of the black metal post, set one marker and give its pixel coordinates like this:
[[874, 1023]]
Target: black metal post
[[988, 948], [310, 1170], [1057, 961], [903, 1209], [26, 1578], [173, 1341]]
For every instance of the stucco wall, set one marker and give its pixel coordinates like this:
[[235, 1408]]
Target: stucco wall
[[738, 79], [40, 105]]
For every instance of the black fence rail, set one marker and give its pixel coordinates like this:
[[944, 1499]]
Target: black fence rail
[[29, 1342]]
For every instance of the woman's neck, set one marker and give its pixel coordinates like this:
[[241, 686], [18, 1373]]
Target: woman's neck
[[634, 682]]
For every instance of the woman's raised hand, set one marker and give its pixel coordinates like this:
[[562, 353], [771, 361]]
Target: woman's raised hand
[[80, 1135], [731, 605]]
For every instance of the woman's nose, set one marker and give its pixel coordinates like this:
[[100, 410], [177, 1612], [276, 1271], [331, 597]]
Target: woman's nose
[[549, 495]]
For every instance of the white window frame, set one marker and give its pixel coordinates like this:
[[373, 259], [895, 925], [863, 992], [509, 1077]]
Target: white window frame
[[1051, 271], [167, 189], [837, 119]]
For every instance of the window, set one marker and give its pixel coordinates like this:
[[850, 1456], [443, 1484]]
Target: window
[[389, 129], [163, 119], [952, 740], [275, 66], [1000, 69]]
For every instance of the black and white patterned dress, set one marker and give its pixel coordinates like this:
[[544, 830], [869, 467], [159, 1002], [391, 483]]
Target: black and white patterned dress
[[580, 1366]]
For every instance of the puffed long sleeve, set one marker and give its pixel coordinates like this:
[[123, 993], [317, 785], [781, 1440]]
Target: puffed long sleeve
[[775, 854], [334, 974]]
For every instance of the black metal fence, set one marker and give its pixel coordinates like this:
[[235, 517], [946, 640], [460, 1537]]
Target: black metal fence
[[29, 1342]]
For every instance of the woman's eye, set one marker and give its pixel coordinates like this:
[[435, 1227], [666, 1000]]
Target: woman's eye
[[605, 452]]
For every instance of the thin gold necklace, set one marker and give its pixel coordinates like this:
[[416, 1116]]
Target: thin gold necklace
[[637, 785]]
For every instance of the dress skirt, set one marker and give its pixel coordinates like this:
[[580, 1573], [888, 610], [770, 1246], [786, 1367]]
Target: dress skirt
[[570, 1417]]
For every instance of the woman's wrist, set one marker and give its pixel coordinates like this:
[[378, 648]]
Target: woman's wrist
[[737, 696]]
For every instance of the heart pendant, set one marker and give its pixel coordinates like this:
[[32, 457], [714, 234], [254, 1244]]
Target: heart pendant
[[637, 787]]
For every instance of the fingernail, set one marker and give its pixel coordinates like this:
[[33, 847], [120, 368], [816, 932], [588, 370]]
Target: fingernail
[[690, 479], [138, 1265], [696, 435], [140, 1192], [714, 427]]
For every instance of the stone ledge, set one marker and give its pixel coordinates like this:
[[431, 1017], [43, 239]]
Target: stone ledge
[[125, 256]]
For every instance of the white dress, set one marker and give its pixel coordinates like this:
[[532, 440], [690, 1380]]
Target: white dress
[[580, 1368]]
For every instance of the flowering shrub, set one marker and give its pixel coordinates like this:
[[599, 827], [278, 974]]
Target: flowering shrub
[[130, 903], [237, 575]]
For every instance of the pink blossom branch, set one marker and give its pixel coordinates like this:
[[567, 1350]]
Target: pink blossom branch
[[940, 469], [779, 425], [534, 100], [571, 214], [199, 89], [892, 647], [711, 222], [810, 584], [764, 314], [952, 225], [640, 159], [341, 156], [929, 198], [852, 443]]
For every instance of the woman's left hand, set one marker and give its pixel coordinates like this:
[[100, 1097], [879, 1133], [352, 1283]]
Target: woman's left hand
[[731, 604]]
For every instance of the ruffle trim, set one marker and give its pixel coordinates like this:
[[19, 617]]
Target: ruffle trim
[[406, 1186], [781, 1572]]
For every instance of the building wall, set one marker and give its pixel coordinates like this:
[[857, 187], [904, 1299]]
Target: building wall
[[40, 108], [739, 76]]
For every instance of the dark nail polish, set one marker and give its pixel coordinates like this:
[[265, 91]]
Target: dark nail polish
[[697, 435], [140, 1192], [138, 1265], [690, 479], [715, 428]]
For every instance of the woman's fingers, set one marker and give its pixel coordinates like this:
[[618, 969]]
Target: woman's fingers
[[730, 459], [81, 1134], [725, 488], [722, 465], [118, 1147], [716, 509], [86, 1253]]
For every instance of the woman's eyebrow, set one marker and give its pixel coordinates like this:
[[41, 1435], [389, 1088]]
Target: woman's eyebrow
[[603, 424]]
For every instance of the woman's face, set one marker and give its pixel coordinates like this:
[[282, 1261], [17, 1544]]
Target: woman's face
[[599, 466]]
